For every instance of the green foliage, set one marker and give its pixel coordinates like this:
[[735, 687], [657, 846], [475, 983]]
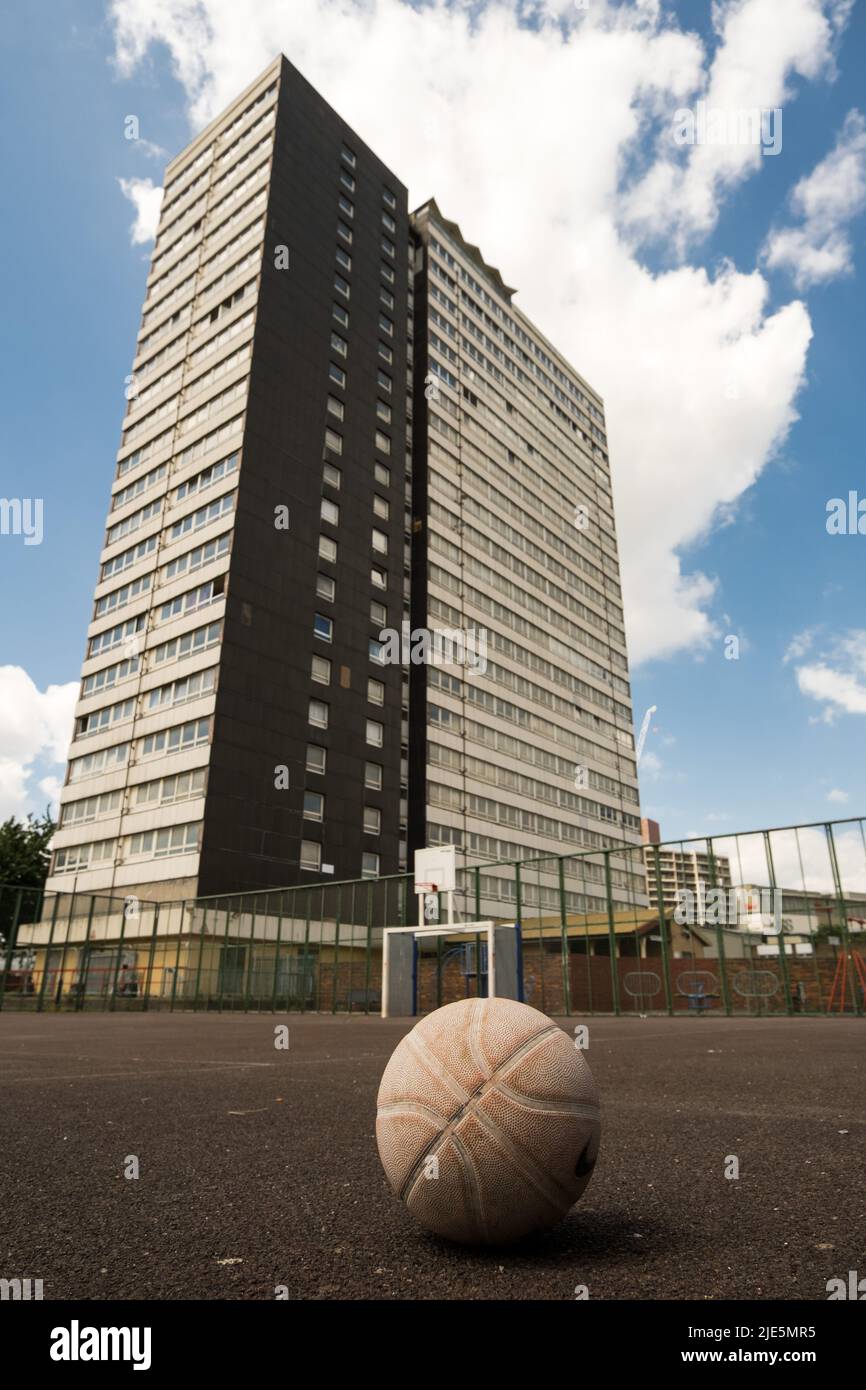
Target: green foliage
[[24, 860]]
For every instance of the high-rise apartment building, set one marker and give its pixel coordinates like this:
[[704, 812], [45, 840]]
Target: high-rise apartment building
[[232, 731], [244, 721], [527, 748], [681, 871]]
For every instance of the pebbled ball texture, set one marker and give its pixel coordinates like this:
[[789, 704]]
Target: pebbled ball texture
[[488, 1121]]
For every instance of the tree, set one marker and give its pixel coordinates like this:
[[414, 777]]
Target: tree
[[24, 860]]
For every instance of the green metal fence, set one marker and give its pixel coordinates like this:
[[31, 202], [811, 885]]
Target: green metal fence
[[769, 922]]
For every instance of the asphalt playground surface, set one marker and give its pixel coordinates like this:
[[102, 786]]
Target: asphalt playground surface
[[258, 1167]]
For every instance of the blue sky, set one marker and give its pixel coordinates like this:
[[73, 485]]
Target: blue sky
[[775, 737]]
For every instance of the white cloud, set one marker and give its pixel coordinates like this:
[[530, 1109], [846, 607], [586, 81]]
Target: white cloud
[[35, 726], [837, 678], [799, 645], [760, 45], [837, 795], [801, 858], [147, 200], [827, 200], [526, 136]]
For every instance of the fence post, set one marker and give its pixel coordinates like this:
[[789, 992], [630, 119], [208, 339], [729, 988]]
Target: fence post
[[177, 956], [120, 952], [307, 949], [780, 936], [611, 933], [368, 961], [566, 959], [663, 932], [720, 940], [47, 960], [337, 911], [843, 910], [277, 958], [145, 1003], [200, 954], [10, 947], [84, 957]]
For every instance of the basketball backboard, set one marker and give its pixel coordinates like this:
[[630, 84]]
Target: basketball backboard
[[436, 865]]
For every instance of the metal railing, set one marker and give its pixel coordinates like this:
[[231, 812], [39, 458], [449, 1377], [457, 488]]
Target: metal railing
[[768, 922]]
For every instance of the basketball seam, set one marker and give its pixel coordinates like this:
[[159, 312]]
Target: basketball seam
[[586, 1109], [475, 1048], [411, 1107], [525, 1164], [475, 1199], [524, 1049]]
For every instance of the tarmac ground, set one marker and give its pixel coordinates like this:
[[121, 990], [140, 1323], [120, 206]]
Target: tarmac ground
[[257, 1166]]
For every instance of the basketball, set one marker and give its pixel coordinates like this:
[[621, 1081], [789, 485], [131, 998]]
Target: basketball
[[488, 1121]]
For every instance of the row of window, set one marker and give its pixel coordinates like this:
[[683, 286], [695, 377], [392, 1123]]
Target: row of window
[[151, 844], [164, 791], [190, 644]]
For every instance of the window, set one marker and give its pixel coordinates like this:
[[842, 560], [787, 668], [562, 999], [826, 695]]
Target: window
[[323, 627], [378, 613], [387, 273], [388, 198], [327, 551], [381, 507], [336, 408], [386, 298], [314, 806], [311, 855], [384, 381], [337, 374], [383, 442], [380, 542], [346, 205], [345, 232], [330, 512], [372, 820], [318, 714], [321, 670], [349, 157], [182, 736], [383, 412], [369, 865], [379, 577], [386, 325], [334, 441], [382, 474], [179, 839], [342, 286], [317, 758], [344, 259], [384, 351], [388, 247], [375, 733], [376, 692], [373, 776], [332, 475], [325, 585], [339, 344], [340, 314], [347, 181], [374, 651], [388, 222]]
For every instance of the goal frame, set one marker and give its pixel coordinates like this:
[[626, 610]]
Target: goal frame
[[487, 929]]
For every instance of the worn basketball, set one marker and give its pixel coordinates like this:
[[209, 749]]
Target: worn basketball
[[488, 1121]]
